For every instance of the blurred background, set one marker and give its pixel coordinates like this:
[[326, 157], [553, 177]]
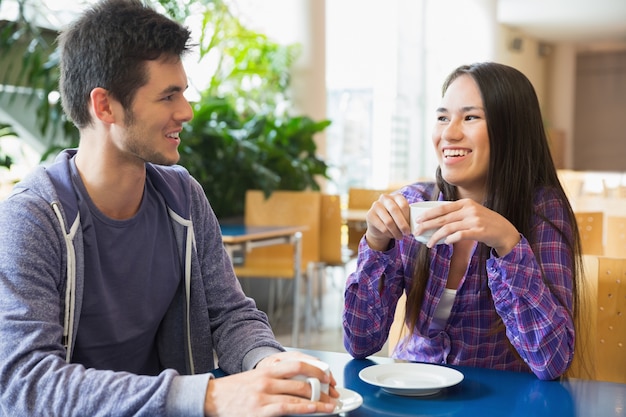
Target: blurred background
[[374, 69]]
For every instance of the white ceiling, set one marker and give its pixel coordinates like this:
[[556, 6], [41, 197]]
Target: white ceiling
[[578, 21]]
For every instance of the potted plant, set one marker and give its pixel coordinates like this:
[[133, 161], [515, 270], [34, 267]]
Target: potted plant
[[242, 130], [5, 160], [229, 153]]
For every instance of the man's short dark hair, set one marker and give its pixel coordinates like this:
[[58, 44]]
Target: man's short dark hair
[[108, 46]]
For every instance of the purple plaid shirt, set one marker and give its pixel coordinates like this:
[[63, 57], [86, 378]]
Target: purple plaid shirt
[[537, 324]]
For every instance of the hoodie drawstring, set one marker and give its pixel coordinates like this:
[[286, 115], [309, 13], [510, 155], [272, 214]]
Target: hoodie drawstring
[[70, 285]]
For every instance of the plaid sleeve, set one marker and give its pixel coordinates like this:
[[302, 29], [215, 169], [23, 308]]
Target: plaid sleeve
[[373, 290], [371, 295], [535, 308]]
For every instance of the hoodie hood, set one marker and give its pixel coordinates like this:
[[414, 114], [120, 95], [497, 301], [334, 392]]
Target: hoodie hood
[[172, 182]]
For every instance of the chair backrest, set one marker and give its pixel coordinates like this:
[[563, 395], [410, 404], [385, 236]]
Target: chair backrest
[[583, 365], [360, 199], [291, 208], [591, 226], [615, 237], [330, 230], [601, 337], [611, 320]]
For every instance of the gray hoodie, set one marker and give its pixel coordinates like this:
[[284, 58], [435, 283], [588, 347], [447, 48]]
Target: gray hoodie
[[41, 284]]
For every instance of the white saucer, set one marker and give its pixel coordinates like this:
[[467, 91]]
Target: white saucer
[[411, 379], [350, 400]]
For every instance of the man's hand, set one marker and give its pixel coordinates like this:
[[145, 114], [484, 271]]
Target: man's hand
[[267, 391]]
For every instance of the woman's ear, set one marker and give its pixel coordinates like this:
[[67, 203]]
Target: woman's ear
[[100, 105]]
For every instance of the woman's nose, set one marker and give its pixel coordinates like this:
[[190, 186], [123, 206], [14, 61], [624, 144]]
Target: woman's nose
[[452, 131]]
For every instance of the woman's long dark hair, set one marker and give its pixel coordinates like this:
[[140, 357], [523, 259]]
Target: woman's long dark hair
[[519, 163]]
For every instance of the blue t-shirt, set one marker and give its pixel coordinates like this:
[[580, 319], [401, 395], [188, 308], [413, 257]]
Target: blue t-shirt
[[132, 272]]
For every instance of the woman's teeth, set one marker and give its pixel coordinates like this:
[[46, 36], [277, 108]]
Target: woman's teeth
[[455, 152]]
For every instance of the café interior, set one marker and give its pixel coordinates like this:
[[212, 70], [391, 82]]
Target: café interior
[[574, 53]]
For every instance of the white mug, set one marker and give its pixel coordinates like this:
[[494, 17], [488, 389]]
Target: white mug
[[316, 387], [417, 209]]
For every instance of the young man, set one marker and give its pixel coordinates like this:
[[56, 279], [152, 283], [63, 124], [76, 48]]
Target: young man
[[115, 289]]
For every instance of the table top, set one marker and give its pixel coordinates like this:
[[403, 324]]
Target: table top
[[237, 233], [482, 392]]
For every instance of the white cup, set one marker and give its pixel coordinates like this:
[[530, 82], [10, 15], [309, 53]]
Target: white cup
[[316, 387], [417, 209]]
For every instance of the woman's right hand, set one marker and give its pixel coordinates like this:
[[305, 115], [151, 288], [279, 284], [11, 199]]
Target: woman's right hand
[[387, 219]]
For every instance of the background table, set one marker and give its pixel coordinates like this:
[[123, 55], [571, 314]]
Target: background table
[[246, 238]]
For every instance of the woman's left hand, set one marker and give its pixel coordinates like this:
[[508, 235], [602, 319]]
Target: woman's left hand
[[465, 219]]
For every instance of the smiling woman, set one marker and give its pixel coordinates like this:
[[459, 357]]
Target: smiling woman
[[501, 290]]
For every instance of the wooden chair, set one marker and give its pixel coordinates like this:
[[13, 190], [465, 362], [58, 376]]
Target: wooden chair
[[591, 226], [360, 199], [601, 339], [611, 320], [330, 230], [583, 365], [277, 261], [333, 252], [615, 237]]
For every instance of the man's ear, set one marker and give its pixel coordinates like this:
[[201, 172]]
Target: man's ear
[[101, 106]]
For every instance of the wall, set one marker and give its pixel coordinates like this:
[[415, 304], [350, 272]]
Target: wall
[[552, 68], [523, 52], [599, 138], [561, 96]]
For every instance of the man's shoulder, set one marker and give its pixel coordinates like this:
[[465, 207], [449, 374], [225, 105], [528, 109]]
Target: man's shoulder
[[36, 184]]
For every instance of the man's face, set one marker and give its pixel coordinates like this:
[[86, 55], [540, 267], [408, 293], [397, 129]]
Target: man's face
[[157, 114]]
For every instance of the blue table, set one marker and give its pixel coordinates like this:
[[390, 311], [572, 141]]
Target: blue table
[[482, 393]]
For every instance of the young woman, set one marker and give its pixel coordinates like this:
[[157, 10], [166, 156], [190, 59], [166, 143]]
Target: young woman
[[500, 291]]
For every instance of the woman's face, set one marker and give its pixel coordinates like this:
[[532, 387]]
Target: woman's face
[[461, 140]]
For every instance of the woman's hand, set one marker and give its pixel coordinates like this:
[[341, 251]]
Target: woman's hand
[[467, 220], [387, 219], [267, 391]]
